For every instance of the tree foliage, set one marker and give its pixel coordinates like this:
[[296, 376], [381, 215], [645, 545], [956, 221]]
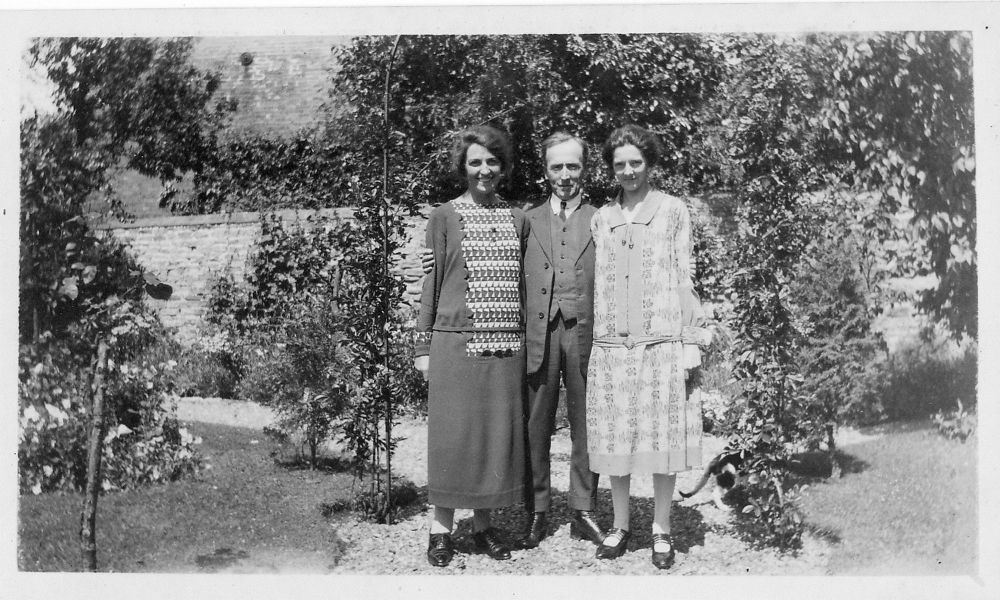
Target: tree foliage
[[768, 103], [130, 100], [256, 173], [528, 85], [116, 100], [135, 100], [839, 290], [778, 122], [284, 328], [305, 327], [901, 108]]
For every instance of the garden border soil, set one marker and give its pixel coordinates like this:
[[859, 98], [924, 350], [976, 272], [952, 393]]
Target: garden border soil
[[706, 539]]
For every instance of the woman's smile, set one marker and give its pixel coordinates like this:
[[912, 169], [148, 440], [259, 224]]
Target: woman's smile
[[482, 170]]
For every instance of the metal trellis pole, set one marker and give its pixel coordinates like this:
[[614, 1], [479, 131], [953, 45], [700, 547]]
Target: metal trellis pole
[[386, 299]]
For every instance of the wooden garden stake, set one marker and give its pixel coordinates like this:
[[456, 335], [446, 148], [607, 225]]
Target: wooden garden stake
[[88, 518]]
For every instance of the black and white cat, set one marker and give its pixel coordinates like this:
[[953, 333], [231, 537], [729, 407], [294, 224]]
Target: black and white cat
[[725, 469]]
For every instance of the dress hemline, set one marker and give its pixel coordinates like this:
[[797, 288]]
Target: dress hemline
[[645, 463]]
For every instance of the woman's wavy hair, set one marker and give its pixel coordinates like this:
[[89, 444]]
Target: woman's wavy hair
[[488, 137], [645, 140]]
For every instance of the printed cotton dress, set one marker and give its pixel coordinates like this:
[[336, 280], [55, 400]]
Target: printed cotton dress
[[641, 417]]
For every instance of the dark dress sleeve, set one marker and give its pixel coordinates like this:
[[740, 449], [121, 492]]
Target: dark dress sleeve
[[435, 238], [523, 227]]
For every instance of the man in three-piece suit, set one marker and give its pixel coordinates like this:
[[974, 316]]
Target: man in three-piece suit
[[559, 309]]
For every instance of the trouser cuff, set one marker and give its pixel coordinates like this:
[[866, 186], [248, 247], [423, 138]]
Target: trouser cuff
[[581, 503]]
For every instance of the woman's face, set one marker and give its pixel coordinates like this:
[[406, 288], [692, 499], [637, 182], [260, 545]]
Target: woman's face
[[630, 168], [482, 170]]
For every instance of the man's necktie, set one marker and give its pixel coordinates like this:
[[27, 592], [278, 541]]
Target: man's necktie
[[562, 210]]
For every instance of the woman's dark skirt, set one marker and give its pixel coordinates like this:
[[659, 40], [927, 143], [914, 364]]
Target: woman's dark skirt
[[475, 426]]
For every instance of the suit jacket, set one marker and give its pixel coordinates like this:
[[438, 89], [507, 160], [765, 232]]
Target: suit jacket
[[539, 277]]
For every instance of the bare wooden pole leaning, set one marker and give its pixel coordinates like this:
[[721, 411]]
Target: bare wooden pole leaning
[[88, 518]]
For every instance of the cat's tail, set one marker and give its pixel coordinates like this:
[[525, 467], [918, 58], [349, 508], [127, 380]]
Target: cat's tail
[[701, 482]]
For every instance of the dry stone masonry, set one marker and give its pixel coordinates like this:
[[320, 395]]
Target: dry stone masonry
[[192, 252]]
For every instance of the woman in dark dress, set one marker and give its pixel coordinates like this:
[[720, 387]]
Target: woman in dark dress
[[469, 347]]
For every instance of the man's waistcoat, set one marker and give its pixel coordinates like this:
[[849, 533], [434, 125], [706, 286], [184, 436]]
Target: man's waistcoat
[[548, 251]]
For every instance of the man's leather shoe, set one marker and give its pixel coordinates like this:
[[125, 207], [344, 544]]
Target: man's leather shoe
[[440, 550], [663, 560], [585, 527], [606, 551], [491, 542], [537, 531]]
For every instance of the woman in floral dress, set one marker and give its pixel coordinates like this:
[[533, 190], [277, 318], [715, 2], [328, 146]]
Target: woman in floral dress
[[640, 416]]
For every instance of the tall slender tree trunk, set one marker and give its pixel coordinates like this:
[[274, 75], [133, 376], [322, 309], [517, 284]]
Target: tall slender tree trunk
[[831, 449], [387, 309], [88, 518]]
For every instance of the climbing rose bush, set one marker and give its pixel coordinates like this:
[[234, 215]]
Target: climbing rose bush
[[144, 443]]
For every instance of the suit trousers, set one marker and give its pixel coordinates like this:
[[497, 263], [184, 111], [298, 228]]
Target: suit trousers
[[561, 357]]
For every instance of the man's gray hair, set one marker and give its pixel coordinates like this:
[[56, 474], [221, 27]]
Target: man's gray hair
[[559, 137]]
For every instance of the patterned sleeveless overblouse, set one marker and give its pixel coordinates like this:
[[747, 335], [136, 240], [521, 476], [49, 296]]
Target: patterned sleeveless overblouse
[[487, 264]]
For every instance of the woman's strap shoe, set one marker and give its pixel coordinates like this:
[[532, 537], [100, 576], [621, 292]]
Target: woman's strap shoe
[[440, 550], [605, 551], [663, 560], [490, 541]]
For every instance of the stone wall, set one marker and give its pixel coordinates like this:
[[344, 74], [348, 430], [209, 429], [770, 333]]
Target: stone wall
[[281, 86], [280, 83], [191, 253]]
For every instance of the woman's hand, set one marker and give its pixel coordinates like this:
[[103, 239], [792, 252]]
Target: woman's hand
[[422, 363]]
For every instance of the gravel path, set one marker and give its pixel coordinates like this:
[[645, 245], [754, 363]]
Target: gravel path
[[706, 539]]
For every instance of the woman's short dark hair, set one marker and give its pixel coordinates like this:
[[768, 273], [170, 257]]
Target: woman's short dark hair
[[645, 140], [488, 137]]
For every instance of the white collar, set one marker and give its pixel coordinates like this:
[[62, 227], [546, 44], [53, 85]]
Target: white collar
[[572, 204]]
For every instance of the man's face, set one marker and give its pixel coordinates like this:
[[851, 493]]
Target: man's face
[[564, 169]]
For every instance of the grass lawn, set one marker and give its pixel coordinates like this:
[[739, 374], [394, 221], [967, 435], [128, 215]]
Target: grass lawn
[[244, 507], [910, 509], [907, 504]]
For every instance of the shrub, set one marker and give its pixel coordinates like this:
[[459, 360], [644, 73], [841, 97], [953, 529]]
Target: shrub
[[778, 515], [837, 298], [768, 103], [922, 378], [300, 369], [316, 331], [959, 423], [255, 173], [200, 369], [407, 385], [146, 445], [204, 373], [288, 260], [709, 257], [53, 400], [160, 451]]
